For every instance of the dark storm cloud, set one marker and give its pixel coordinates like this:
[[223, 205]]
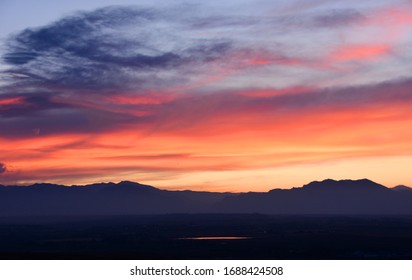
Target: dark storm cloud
[[110, 48]]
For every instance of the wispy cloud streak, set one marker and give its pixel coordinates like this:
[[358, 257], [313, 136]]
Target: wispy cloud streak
[[132, 92]]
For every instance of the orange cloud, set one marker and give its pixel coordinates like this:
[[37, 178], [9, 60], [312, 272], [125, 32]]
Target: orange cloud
[[176, 117], [359, 52], [221, 134], [142, 98], [222, 144]]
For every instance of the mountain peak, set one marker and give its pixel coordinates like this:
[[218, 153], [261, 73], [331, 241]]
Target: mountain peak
[[354, 197], [328, 184], [135, 186], [402, 188], [46, 185], [123, 183]]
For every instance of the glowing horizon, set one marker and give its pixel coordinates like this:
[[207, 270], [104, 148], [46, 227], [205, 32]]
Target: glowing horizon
[[202, 96]]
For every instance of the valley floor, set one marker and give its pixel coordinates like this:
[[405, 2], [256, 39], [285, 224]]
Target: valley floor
[[203, 236]]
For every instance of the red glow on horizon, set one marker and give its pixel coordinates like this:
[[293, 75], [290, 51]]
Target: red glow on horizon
[[238, 97], [225, 142]]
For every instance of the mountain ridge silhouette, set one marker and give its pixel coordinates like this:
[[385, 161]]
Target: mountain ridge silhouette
[[402, 188], [330, 197]]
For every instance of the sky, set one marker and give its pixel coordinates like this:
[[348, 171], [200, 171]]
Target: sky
[[205, 95]]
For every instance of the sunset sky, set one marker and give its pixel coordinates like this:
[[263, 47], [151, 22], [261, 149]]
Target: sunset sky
[[205, 95]]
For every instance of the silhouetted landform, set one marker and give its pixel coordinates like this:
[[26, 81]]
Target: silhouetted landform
[[402, 188], [345, 197], [201, 236]]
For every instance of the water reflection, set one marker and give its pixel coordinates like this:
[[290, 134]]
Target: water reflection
[[216, 238]]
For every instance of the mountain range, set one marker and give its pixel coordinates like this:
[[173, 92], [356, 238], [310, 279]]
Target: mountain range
[[328, 197]]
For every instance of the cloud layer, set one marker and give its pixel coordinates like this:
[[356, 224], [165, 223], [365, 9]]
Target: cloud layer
[[165, 93], [110, 48], [2, 168]]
